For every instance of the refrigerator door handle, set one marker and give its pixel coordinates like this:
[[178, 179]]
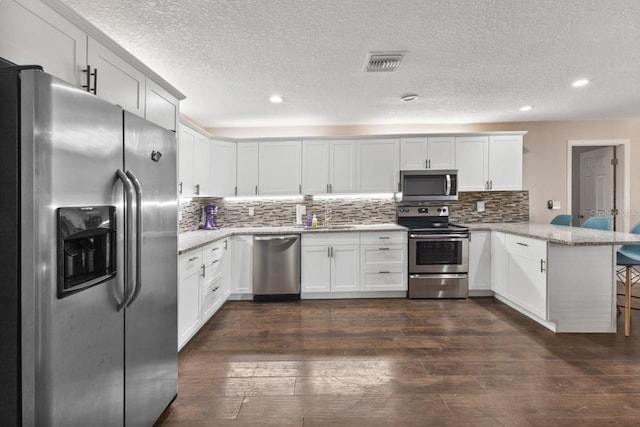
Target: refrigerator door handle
[[138, 281], [129, 221]]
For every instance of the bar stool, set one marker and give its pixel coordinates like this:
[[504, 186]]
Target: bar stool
[[628, 257], [562, 219], [597, 223]]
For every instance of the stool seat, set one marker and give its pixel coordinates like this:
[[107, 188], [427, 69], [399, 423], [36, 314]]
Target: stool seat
[[562, 219], [627, 259], [628, 256]]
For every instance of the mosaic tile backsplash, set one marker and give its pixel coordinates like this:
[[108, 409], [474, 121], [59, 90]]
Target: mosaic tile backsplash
[[500, 206]]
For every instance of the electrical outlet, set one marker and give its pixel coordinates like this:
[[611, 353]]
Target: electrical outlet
[[480, 206], [179, 215], [251, 211], [556, 204]]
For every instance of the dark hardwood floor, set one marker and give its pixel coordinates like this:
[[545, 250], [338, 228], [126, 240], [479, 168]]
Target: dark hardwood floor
[[400, 362]]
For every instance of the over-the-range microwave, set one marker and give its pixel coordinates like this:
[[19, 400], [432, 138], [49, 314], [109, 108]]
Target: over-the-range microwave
[[429, 185]]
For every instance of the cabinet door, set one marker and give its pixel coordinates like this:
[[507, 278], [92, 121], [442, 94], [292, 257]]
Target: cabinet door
[[188, 307], [33, 33], [201, 185], [441, 152], [223, 168], [247, 169], [186, 146], [472, 163], [241, 264], [527, 273], [480, 261], [117, 81], [315, 167], [342, 162], [378, 166], [161, 107], [413, 153], [280, 167], [499, 264], [315, 269], [505, 162], [345, 271]]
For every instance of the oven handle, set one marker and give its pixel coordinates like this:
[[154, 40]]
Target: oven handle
[[444, 237], [438, 276]]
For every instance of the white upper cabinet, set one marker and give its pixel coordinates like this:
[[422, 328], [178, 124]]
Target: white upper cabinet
[[114, 80], [342, 165], [437, 152], [377, 170], [161, 107], [315, 167], [186, 146], [247, 169], [222, 168], [34, 32], [471, 162], [501, 165], [505, 162], [201, 166], [280, 169]]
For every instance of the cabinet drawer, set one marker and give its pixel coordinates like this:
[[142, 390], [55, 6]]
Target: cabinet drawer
[[384, 281], [212, 252], [189, 262], [211, 295], [330, 239], [526, 247], [383, 237], [375, 255]]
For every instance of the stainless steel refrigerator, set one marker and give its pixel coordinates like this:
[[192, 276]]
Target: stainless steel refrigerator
[[88, 219]]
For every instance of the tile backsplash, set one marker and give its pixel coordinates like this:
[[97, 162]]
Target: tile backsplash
[[500, 206]]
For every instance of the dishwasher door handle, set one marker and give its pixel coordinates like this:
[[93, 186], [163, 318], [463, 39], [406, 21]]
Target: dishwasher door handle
[[294, 236]]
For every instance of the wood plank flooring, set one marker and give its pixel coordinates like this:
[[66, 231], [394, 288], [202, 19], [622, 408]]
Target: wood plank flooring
[[400, 362]]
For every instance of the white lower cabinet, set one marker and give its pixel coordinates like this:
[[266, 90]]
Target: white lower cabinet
[[499, 264], [480, 263], [241, 266], [203, 288], [330, 262], [383, 257]]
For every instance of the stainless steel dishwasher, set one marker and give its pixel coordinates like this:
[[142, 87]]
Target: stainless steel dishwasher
[[276, 267]]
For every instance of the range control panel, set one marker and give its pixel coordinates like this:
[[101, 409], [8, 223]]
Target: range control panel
[[423, 211]]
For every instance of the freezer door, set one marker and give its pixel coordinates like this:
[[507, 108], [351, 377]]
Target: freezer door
[[151, 359], [72, 348]]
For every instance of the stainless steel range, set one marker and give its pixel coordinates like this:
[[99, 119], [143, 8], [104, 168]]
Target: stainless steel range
[[438, 253]]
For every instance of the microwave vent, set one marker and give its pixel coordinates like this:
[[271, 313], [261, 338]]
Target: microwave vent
[[383, 61]]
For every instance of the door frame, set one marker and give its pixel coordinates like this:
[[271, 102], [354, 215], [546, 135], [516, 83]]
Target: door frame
[[626, 173]]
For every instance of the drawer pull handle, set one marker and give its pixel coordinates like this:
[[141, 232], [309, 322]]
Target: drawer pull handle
[[193, 259], [384, 249], [522, 244], [214, 261], [384, 272], [384, 237], [214, 249], [542, 270]]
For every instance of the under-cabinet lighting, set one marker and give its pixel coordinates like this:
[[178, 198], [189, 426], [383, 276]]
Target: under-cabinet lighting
[[580, 83], [376, 196], [291, 198], [276, 99], [526, 108]]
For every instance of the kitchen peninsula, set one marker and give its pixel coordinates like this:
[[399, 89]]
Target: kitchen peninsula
[[561, 277]]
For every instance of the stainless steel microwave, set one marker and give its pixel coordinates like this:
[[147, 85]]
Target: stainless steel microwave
[[429, 185]]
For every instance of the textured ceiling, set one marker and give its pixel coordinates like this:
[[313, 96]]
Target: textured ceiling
[[469, 60]]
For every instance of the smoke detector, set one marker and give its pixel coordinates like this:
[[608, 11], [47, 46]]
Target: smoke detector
[[383, 61]]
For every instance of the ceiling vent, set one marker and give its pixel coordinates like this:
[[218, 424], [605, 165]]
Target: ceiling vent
[[383, 61]]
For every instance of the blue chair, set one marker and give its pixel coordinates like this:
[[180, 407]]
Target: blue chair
[[563, 219], [597, 223], [628, 256]]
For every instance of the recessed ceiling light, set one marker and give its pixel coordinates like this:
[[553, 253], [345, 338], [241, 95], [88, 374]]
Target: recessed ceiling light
[[526, 108], [580, 83], [276, 99], [409, 97]]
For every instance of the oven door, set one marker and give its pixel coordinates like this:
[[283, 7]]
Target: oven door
[[438, 253]]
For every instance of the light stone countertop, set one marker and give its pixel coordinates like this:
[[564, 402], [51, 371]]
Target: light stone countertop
[[195, 239], [561, 234]]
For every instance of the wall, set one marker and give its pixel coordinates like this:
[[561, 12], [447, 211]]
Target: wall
[[545, 150], [500, 206]]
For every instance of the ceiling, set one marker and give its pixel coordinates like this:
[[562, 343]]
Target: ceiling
[[470, 61]]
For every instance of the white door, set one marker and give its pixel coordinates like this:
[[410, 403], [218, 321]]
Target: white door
[[342, 164], [315, 167], [186, 146], [279, 168], [499, 264], [441, 152], [413, 153], [247, 168], [315, 269], [480, 261], [345, 271], [378, 166], [201, 166], [505, 162], [223, 168], [472, 163], [596, 183], [161, 107]]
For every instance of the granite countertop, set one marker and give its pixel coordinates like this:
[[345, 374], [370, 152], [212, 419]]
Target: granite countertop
[[198, 238], [561, 234]]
